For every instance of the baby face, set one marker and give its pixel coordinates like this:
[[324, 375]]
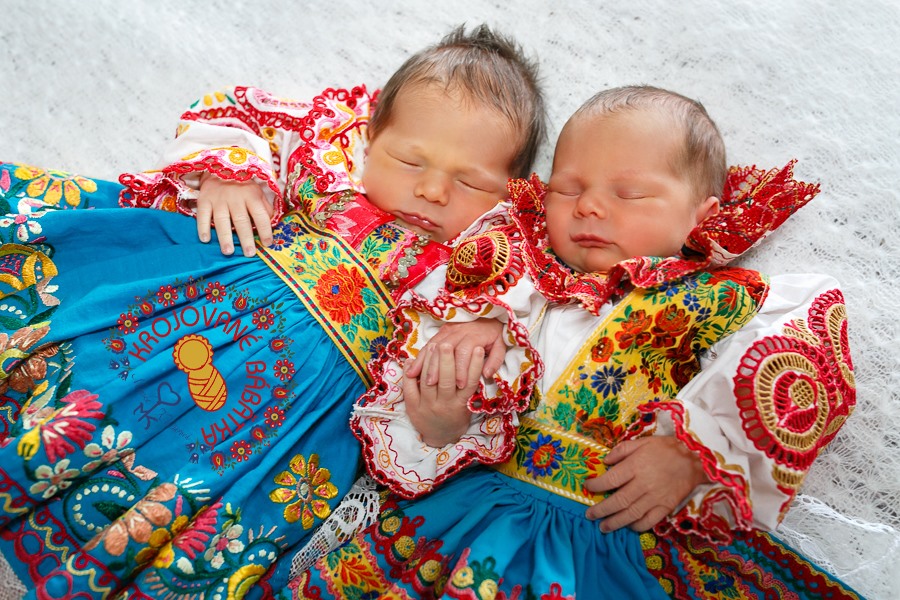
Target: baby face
[[614, 193], [440, 162]]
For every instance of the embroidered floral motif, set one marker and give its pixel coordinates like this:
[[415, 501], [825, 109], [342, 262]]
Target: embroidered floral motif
[[399, 554], [54, 186], [63, 429], [111, 448], [53, 479], [274, 416], [306, 490], [644, 351], [792, 398], [27, 226], [339, 293], [138, 522], [167, 295], [543, 456]]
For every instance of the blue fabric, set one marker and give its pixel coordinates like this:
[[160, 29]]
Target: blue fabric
[[488, 530], [100, 426]]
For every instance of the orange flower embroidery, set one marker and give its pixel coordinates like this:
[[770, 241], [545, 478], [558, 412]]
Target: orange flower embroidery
[[339, 293]]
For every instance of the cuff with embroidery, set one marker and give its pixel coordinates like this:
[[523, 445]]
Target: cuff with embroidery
[[396, 456], [175, 187], [714, 510], [510, 389]]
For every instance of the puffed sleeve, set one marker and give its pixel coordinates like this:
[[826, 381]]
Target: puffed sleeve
[[394, 452], [768, 399], [247, 134]]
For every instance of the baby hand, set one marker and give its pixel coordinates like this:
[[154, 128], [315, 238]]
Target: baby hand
[[239, 204], [648, 479], [463, 339], [440, 411]]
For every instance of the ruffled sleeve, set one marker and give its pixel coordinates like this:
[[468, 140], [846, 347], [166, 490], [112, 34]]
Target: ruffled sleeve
[[768, 399], [394, 453], [246, 134]]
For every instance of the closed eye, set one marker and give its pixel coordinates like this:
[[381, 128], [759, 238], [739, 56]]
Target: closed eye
[[478, 187], [563, 192], [408, 161]]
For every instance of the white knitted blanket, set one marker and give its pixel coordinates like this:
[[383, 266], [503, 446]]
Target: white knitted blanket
[[97, 86]]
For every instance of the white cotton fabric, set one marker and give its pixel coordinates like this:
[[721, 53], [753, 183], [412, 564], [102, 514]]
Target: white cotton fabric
[[97, 87]]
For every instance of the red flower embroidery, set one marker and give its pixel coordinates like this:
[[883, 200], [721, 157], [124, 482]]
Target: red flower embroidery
[[339, 293], [602, 350], [274, 416], [167, 295], [670, 323], [215, 292], [634, 330], [795, 393], [263, 318], [70, 426], [127, 323], [240, 450], [284, 369], [217, 459]]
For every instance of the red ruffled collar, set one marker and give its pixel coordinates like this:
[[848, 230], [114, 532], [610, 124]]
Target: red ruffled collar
[[754, 203]]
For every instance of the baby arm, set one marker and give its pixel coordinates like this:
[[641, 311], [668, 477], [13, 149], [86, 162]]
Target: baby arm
[[226, 142], [648, 478], [401, 420], [746, 416]]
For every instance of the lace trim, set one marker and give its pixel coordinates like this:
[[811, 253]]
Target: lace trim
[[356, 511]]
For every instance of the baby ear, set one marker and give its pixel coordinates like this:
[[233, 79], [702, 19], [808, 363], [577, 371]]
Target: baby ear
[[707, 208]]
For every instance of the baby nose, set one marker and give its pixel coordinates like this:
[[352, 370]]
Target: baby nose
[[591, 205], [433, 187]]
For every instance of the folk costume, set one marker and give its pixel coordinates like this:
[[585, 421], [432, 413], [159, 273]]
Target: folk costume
[[174, 421], [751, 373]]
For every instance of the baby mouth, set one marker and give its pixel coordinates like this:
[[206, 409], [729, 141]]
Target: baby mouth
[[590, 241], [417, 221]]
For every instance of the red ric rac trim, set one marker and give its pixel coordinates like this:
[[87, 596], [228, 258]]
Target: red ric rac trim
[[252, 117], [507, 400], [309, 130], [709, 525], [143, 193]]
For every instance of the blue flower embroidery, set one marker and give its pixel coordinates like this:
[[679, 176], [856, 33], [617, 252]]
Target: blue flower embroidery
[[543, 456], [691, 302], [387, 233], [608, 380]]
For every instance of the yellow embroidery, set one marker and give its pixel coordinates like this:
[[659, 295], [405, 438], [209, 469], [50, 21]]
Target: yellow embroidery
[[193, 355]]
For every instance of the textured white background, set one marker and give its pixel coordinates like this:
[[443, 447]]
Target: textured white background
[[96, 87]]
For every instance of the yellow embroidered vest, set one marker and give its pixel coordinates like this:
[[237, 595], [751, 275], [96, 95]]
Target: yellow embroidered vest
[[644, 351], [348, 262]]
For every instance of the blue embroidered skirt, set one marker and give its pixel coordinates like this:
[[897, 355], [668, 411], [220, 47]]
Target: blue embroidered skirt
[[172, 420]]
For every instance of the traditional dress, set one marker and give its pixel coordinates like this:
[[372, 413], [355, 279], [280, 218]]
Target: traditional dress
[[751, 373], [173, 421]]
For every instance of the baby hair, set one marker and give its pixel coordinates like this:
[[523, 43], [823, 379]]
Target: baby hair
[[487, 68], [702, 157]]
